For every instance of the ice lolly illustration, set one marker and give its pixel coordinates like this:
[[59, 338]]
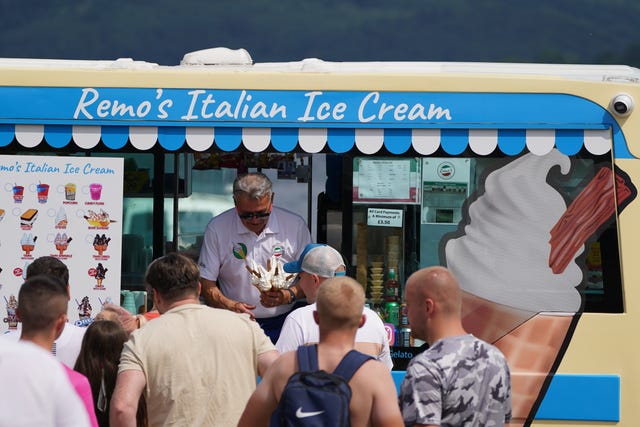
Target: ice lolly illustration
[[12, 315], [84, 308], [522, 297], [101, 273]]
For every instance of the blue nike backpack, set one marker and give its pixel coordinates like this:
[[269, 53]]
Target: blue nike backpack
[[313, 397]]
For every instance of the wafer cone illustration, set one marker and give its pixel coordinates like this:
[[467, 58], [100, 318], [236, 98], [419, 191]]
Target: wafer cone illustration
[[530, 342], [516, 265]]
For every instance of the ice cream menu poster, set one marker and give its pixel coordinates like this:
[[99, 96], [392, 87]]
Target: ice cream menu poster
[[65, 207]]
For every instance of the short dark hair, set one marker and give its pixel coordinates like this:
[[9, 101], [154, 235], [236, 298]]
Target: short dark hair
[[49, 265], [173, 276], [41, 300]]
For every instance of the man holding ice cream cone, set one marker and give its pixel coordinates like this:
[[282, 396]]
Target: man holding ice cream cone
[[243, 252]]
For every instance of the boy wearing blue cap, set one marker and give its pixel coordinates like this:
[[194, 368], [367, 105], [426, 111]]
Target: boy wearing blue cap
[[317, 263]]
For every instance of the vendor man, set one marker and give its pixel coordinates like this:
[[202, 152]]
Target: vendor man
[[249, 235]]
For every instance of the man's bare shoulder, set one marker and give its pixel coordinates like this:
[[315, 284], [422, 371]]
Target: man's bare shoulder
[[370, 373], [280, 370], [374, 398]]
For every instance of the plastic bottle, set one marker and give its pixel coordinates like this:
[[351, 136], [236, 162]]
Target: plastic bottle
[[392, 287]]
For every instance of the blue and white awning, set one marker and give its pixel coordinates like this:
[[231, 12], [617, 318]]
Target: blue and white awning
[[312, 140]]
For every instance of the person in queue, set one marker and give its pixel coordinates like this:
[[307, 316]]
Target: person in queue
[[98, 361], [67, 346], [340, 302], [35, 389], [317, 263], [459, 379], [196, 365], [42, 308], [253, 231]]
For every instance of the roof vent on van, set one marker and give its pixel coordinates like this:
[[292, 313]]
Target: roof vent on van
[[217, 56]]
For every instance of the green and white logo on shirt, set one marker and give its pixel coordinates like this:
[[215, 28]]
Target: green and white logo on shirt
[[240, 250]]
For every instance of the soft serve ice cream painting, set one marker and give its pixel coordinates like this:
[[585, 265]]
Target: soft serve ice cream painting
[[517, 295]]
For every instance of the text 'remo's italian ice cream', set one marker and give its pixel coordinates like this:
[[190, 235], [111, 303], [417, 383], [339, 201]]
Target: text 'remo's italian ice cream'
[[516, 265], [271, 278]]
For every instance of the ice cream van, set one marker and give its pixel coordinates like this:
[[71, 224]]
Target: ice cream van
[[520, 178]]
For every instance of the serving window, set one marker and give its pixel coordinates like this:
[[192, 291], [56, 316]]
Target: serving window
[[534, 232]]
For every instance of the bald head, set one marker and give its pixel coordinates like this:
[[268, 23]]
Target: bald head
[[340, 303], [438, 284]]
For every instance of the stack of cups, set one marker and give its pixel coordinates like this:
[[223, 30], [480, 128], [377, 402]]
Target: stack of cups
[[392, 244]]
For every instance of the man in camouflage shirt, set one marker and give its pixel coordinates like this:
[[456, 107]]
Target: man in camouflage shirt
[[460, 380]]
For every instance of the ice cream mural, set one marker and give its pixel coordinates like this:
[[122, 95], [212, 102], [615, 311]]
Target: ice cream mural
[[515, 258], [65, 207]]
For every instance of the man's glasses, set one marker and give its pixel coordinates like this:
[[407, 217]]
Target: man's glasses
[[256, 215]]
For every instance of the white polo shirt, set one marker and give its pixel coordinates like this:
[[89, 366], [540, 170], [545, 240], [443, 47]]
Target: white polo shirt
[[228, 244]]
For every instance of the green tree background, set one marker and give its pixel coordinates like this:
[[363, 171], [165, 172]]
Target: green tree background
[[162, 31]]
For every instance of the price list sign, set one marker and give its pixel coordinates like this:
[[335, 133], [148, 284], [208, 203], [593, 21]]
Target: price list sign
[[384, 217], [385, 180]]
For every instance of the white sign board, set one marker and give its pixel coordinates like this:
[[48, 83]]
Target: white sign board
[[384, 217], [65, 207]]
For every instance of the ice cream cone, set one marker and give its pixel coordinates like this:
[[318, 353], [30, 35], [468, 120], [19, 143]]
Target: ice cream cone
[[531, 351], [531, 343]]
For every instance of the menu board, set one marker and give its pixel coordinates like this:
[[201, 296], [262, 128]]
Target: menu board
[[385, 180], [65, 207]]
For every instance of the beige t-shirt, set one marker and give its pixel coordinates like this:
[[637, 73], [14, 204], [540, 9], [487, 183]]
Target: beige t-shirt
[[200, 365]]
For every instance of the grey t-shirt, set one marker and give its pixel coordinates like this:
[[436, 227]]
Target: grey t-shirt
[[458, 381]]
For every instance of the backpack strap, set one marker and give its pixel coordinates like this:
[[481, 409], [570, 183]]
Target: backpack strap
[[350, 363], [308, 358]]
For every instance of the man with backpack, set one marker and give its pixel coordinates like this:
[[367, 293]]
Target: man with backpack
[[313, 398]]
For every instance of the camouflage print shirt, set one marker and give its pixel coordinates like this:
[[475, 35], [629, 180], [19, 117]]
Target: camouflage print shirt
[[458, 381]]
